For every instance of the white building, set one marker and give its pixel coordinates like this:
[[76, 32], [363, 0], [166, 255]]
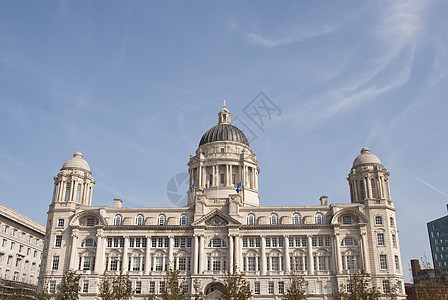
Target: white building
[[221, 228], [21, 244]]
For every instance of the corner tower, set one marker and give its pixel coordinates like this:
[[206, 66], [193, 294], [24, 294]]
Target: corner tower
[[74, 182], [368, 179], [224, 164]]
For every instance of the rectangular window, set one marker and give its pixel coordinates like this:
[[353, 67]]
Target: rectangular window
[[271, 287], [58, 241], [222, 178], [397, 263], [257, 288], [52, 287], [182, 264], [268, 242], [159, 263], [216, 263], [185, 287], [314, 241], [67, 191], [152, 287], [319, 287], [188, 242], [394, 240], [55, 264], [85, 286], [322, 263], [136, 263], [380, 237], [114, 261], [379, 220], [233, 179], [281, 287], [87, 262], [61, 223], [383, 262], [274, 242], [161, 286], [386, 287], [346, 220], [251, 263], [391, 221], [251, 242], [275, 263], [12, 246], [138, 287]]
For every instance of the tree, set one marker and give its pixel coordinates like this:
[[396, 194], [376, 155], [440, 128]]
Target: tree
[[173, 289], [44, 294], [296, 290], [69, 287], [198, 293], [235, 286], [115, 287], [359, 288]]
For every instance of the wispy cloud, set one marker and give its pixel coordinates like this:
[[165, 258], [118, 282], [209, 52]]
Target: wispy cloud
[[296, 36], [432, 187]]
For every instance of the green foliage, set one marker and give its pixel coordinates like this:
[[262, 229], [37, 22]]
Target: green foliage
[[69, 287], [296, 290], [115, 287], [235, 286], [173, 289], [198, 293], [360, 289]]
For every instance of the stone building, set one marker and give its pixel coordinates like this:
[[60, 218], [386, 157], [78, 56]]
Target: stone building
[[224, 226], [21, 245]]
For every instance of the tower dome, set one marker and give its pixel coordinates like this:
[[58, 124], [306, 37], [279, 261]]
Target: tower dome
[[366, 158], [224, 130], [76, 162]]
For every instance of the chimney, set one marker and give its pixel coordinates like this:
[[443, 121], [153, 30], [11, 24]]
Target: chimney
[[117, 203], [415, 266], [323, 200]]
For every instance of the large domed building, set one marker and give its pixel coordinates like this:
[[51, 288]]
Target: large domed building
[[223, 227]]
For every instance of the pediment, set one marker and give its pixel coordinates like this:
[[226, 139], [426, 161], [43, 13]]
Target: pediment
[[216, 294], [216, 218]]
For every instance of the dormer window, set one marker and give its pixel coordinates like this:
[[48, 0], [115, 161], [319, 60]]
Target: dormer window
[[183, 220], [273, 219], [161, 220], [250, 219], [318, 218], [296, 219], [139, 220], [118, 220]]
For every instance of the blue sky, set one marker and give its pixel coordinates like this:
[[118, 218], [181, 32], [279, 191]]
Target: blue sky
[[134, 85]]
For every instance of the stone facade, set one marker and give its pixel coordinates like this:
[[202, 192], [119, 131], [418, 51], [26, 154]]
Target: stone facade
[[223, 226], [21, 245]]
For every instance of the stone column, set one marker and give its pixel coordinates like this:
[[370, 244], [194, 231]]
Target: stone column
[[171, 251], [74, 249], [230, 175], [310, 256], [99, 259], [148, 255], [237, 253], [201, 254], [286, 259], [124, 264], [338, 253], [368, 187], [263, 255], [365, 257], [195, 255], [231, 261], [200, 176]]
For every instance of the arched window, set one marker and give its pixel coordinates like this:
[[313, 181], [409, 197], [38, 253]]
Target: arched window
[[318, 219], [118, 220], [250, 220], [139, 220], [161, 220], [273, 219], [296, 219], [183, 220]]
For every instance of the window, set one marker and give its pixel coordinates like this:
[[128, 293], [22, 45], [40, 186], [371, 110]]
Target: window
[[319, 287], [88, 243], [152, 287], [61, 223], [397, 263], [58, 241], [67, 191], [114, 264], [349, 286], [139, 220], [216, 263], [362, 189], [378, 220], [138, 287], [217, 243], [386, 287], [161, 286], [118, 220], [87, 263], [392, 223], [257, 288], [85, 286], [251, 264], [271, 287], [222, 178], [273, 219], [296, 219], [222, 149], [159, 263], [90, 222], [383, 262], [52, 287], [183, 220], [250, 220], [78, 193], [275, 263], [380, 237], [318, 218], [394, 240], [372, 183], [346, 220], [55, 264], [161, 220], [233, 179], [281, 287]]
